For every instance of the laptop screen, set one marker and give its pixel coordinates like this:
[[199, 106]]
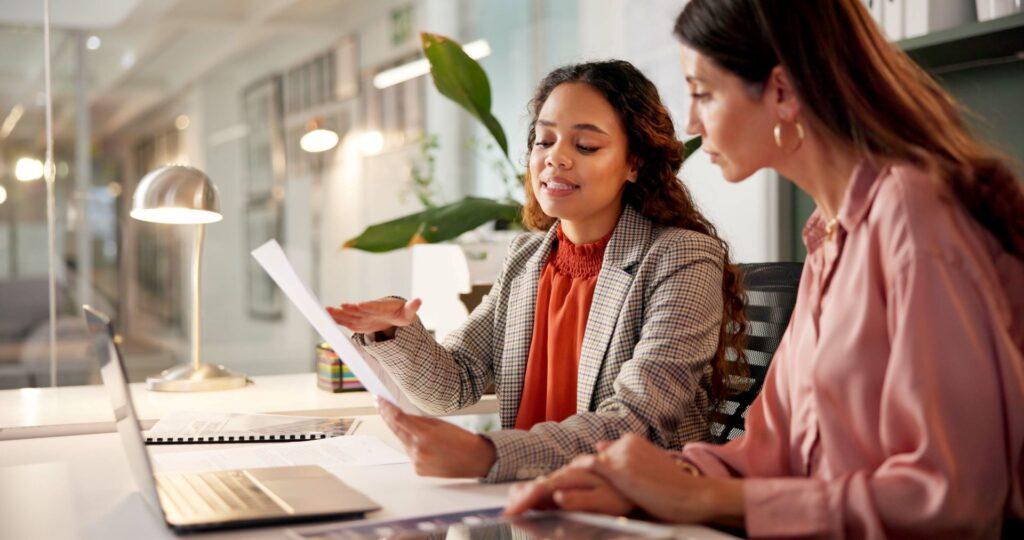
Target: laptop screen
[[114, 379]]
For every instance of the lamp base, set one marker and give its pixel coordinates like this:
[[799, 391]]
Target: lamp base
[[187, 378]]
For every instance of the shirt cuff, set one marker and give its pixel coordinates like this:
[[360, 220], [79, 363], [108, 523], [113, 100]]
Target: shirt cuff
[[364, 339], [785, 507], [703, 456], [516, 456], [391, 352]]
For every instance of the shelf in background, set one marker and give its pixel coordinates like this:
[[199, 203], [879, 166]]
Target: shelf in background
[[968, 45]]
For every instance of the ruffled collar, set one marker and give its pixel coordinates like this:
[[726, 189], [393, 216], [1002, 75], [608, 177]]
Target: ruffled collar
[[578, 261]]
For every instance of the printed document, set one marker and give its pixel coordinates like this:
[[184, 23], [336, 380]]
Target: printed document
[[366, 368], [333, 454], [206, 426]]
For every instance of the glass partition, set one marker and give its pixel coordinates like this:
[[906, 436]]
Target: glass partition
[[232, 88]]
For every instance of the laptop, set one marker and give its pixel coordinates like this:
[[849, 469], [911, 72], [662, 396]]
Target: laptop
[[217, 499]]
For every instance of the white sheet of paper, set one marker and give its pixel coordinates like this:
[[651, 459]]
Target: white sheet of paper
[[199, 424], [332, 454], [367, 369]]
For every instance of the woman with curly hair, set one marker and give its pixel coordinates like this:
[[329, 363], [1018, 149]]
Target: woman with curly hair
[[612, 320], [894, 406]]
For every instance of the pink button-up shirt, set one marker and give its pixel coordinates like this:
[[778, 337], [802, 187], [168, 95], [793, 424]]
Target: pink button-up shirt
[[894, 405]]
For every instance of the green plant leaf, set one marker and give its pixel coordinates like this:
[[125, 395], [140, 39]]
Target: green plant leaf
[[461, 79], [691, 146], [389, 235], [451, 220], [433, 225]]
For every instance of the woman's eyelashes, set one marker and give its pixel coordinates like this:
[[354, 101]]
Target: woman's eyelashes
[[699, 94], [582, 148]]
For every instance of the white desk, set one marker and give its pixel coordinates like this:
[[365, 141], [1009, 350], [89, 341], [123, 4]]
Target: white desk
[[77, 410], [80, 487]]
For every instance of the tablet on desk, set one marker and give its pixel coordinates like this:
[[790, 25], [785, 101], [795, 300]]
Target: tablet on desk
[[490, 524]]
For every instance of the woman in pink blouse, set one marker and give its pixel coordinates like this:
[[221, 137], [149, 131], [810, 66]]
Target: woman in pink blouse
[[894, 406]]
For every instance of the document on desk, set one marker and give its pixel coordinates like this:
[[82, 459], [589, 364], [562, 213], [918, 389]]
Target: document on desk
[[366, 368], [201, 427], [332, 454]]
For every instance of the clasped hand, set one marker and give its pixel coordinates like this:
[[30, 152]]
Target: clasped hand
[[627, 475]]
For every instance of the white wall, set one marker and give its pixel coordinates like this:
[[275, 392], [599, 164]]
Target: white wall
[[746, 214], [529, 39]]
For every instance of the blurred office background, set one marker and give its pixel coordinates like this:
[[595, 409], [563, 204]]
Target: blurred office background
[[231, 86]]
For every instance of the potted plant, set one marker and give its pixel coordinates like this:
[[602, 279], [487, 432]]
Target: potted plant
[[461, 79]]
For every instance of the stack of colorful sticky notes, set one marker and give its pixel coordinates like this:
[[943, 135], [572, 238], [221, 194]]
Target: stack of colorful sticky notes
[[331, 373]]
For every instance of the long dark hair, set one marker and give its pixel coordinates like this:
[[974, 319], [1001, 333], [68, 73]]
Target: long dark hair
[[657, 194], [863, 90]]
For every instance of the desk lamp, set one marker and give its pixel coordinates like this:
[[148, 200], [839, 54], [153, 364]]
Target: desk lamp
[[182, 195]]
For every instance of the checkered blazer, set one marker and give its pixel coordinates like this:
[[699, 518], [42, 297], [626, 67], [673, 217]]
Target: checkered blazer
[[646, 358]]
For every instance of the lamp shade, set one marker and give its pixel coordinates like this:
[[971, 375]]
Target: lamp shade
[[318, 138], [176, 194]]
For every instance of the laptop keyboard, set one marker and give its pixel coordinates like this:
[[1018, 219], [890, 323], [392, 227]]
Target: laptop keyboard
[[214, 494]]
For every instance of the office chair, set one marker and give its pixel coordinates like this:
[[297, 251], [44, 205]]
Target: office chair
[[771, 294]]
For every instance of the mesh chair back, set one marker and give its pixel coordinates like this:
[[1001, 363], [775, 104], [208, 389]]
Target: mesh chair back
[[771, 294]]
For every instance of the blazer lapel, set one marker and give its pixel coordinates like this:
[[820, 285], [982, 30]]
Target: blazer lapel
[[519, 331], [624, 251]]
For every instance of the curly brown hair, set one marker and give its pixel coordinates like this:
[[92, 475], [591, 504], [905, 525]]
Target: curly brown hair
[[657, 194]]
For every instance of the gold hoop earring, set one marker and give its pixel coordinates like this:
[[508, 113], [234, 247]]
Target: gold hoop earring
[[799, 135]]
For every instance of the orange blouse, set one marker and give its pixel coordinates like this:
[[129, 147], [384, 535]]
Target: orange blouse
[[564, 294]]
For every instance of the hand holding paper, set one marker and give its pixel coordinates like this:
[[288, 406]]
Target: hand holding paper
[[438, 447]]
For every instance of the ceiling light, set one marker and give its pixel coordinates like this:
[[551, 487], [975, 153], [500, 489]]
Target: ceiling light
[[390, 77], [93, 43], [12, 120], [317, 138], [477, 49], [181, 122], [228, 134], [28, 169], [3, 194], [371, 143], [128, 59]]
